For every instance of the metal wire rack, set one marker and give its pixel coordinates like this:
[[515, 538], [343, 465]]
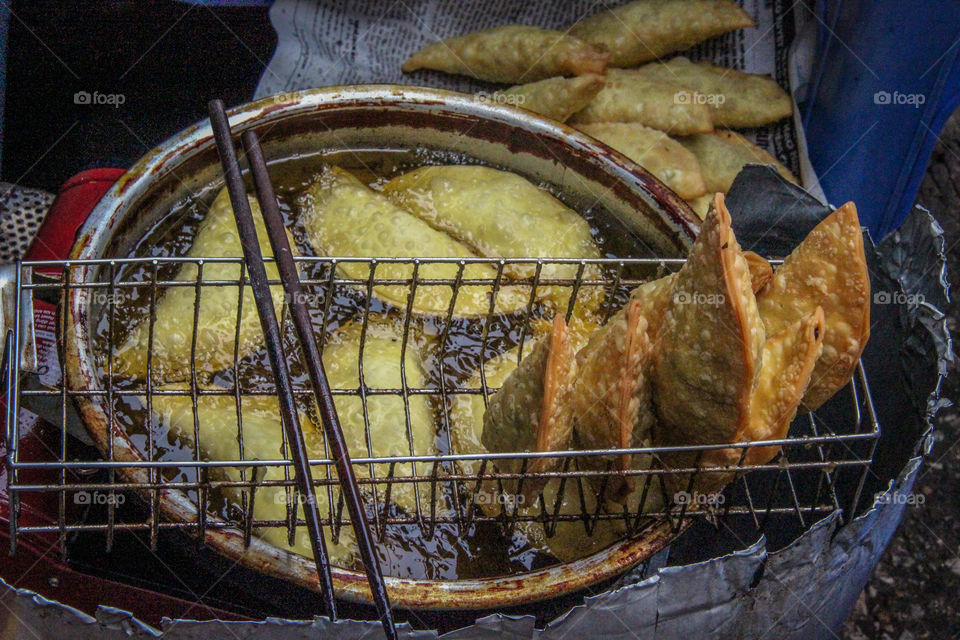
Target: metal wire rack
[[823, 449]]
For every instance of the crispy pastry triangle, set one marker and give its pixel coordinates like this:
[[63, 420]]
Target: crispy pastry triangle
[[828, 269], [532, 411], [708, 356], [611, 391]]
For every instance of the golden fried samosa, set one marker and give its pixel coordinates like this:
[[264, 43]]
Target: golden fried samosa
[[263, 435], [722, 154], [570, 540], [829, 270], [467, 409], [262, 440], [737, 99], [708, 356], [382, 354], [512, 53], [500, 214], [343, 217], [629, 95], [216, 237], [655, 151], [648, 29], [532, 410], [557, 98], [611, 395]]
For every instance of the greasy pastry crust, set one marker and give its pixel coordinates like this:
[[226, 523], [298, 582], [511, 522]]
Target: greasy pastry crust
[[655, 151], [629, 95], [498, 214], [532, 410], [722, 154], [511, 53], [344, 217], [648, 29], [611, 389], [708, 355], [828, 269], [787, 364], [557, 98], [748, 99], [216, 329]]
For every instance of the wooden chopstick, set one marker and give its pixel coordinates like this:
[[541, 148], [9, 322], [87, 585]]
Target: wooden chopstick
[[271, 333], [318, 377]]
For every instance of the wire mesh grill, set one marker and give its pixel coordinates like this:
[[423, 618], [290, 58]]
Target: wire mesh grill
[[450, 486]]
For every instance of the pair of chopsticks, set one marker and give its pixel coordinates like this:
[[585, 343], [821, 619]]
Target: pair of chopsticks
[[271, 331]]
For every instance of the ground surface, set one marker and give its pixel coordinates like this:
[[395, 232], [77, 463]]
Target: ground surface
[[915, 592]]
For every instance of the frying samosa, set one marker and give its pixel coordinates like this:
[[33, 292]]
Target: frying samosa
[[217, 236], [737, 99], [629, 95], [709, 353], [263, 432], [570, 540], [466, 410], [722, 154], [611, 396], [655, 151], [512, 53], [262, 440], [829, 270], [648, 29], [557, 98], [500, 214], [531, 411], [343, 217], [382, 354]]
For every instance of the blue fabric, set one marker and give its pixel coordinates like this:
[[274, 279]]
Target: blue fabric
[[886, 80]]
